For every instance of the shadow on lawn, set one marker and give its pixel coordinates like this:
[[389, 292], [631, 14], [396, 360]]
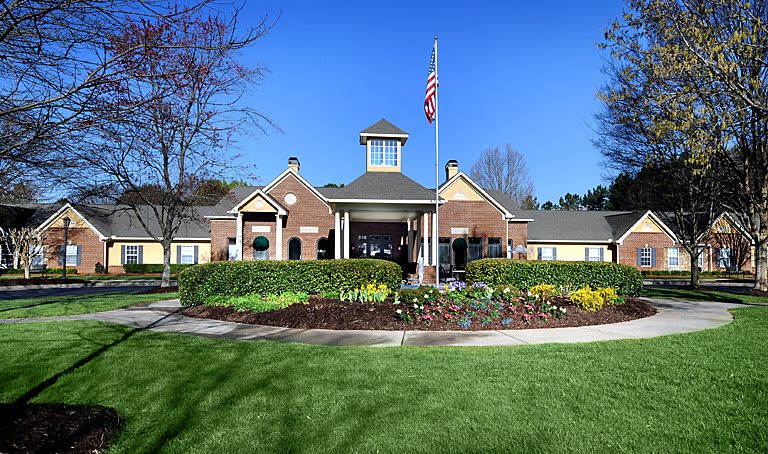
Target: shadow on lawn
[[719, 296], [50, 381], [69, 299]]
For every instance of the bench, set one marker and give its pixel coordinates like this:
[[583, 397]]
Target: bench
[[39, 269]]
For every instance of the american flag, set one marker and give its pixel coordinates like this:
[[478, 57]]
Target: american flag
[[429, 101]]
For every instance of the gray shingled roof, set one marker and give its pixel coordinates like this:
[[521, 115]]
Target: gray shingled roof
[[384, 186], [506, 201], [383, 127], [549, 225]]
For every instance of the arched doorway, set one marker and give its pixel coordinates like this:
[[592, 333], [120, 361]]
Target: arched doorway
[[294, 249], [324, 249], [260, 248], [459, 253]]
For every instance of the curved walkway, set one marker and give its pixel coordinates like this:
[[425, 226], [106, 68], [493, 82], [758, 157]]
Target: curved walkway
[[673, 317]]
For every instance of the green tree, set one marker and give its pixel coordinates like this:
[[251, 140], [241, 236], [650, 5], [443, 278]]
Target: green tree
[[570, 202], [596, 199], [688, 84]]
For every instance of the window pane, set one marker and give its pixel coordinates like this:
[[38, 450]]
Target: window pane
[[494, 247], [547, 253], [475, 250], [594, 254], [645, 256]]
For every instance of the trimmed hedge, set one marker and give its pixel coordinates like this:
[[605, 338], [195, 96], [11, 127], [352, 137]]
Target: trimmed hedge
[[275, 277], [524, 274], [148, 268]]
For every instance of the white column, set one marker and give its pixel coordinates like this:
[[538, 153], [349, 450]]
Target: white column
[[279, 237], [337, 237], [417, 243], [435, 239], [425, 238], [239, 236], [346, 234], [410, 241]]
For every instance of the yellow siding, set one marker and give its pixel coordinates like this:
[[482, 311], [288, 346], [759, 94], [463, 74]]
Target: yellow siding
[[153, 252], [460, 190], [647, 226], [76, 221], [570, 252], [259, 205]]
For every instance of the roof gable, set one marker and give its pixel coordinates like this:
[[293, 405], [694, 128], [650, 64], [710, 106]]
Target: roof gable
[[290, 172], [259, 202], [477, 189]]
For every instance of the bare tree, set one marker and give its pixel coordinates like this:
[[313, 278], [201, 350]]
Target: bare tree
[[505, 171], [52, 62], [188, 83], [26, 242]]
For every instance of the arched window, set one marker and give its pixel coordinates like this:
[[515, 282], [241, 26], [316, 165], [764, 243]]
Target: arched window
[[324, 249], [260, 248], [294, 249]]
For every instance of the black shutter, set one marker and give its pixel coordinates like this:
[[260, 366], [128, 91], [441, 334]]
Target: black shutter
[[539, 252], [602, 254], [122, 255], [197, 252], [79, 255], [140, 258], [178, 254], [554, 253], [586, 254], [62, 255]]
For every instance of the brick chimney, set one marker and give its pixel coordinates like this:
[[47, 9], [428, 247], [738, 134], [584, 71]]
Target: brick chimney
[[293, 164], [451, 169]]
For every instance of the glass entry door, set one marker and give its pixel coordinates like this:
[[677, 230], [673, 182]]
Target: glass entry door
[[374, 246]]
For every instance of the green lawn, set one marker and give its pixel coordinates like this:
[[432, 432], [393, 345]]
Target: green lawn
[[75, 304], [701, 295], [699, 392]]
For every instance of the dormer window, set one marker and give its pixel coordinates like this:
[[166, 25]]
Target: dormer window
[[383, 153]]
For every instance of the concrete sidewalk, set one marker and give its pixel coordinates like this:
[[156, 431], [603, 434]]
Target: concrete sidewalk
[[673, 317]]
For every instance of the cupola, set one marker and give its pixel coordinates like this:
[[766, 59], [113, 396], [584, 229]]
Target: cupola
[[383, 144]]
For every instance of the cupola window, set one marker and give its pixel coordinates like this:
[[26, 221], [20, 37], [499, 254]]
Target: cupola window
[[383, 153]]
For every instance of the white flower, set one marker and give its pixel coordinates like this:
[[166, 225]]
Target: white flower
[[399, 311], [415, 306], [562, 309], [529, 293], [506, 290]]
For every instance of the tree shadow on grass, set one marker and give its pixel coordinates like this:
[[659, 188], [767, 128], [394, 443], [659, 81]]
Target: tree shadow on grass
[[718, 296], [69, 299]]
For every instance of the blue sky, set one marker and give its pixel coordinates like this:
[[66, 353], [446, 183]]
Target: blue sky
[[523, 73]]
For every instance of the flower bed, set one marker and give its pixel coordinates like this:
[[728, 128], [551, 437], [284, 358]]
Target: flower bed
[[476, 307]]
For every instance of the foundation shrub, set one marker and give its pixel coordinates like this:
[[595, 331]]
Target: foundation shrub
[[151, 268], [258, 303], [277, 277], [524, 274]]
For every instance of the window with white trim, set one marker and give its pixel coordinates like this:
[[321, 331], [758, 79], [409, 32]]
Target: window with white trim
[[71, 255], [187, 255], [645, 256], [673, 257], [594, 254], [547, 253], [383, 153], [37, 256], [724, 257], [131, 254]]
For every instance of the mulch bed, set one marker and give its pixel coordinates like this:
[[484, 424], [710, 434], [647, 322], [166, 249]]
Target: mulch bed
[[334, 314], [59, 428], [754, 292], [153, 290]]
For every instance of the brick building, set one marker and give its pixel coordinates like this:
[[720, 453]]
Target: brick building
[[382, 214]]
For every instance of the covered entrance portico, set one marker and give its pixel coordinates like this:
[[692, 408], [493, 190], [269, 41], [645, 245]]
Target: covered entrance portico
[[403, 232]]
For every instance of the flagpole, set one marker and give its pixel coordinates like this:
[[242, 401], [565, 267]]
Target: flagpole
[[436, 239]]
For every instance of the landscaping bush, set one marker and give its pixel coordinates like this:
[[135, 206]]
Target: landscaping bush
[[152, 268], [258, 303], [525, 274], [276, 277], [588, 299]]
